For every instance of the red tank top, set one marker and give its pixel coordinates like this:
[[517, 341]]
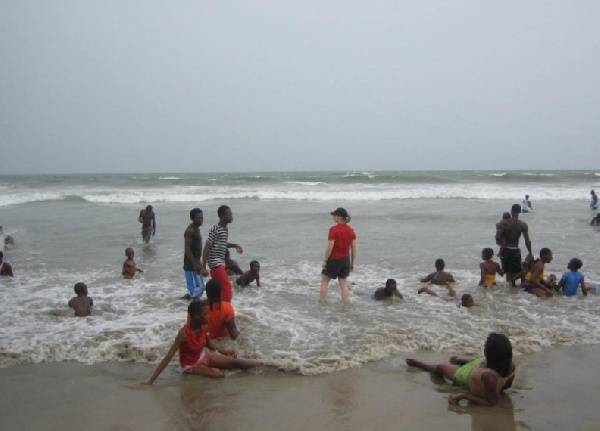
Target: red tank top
[[190, 352]]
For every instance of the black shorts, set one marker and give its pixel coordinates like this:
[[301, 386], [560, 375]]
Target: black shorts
[[337, 268], [511, 261]]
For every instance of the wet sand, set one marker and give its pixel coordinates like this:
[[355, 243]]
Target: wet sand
[[555, 389]]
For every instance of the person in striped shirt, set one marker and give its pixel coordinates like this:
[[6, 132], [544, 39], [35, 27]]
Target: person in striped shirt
[[214, 251]]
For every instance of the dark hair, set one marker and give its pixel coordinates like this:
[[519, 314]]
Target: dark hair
[[498, 353], [221, 210], [440, 264], [213, 292], [545, 251], [196, 307], [575, 264], [488, 252], [464, 299], [505, 216], [79, 287], [516, 209], [254, 263], [149, 207], [194, 212]]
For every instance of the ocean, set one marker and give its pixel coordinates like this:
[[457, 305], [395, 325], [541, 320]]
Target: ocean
[[71, 228]]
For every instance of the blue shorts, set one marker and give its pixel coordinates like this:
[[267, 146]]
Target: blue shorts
[[195, 283]]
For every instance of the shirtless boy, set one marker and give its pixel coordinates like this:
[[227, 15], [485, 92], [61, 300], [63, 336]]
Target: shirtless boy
[[148, 220], [129, 266], [439, 278], [81, 303], [249, 276]]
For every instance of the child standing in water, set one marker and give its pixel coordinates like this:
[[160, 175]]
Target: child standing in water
[[129, 266], [81, 303], [489, 268], [571, 280], [484, 377]]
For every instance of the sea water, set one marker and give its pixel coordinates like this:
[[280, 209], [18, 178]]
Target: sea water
[[76, 228]]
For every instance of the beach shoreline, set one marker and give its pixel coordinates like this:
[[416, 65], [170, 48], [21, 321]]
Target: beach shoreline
[[553, 390]]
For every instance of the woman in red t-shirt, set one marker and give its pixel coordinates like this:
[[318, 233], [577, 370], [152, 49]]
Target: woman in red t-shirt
[[340, 255], [192, 341]]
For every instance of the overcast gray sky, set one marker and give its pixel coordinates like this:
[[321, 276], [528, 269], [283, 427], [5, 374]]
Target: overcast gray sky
[[194, 86]]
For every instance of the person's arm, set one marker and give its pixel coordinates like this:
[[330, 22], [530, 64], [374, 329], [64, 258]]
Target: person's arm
[[499, 269], [140, 217], [352, 254], [561, 283], [9, 271], [179, 340], [527, 240], [91, 302], [398, 294], [257, 280], [232, 329], [207, 248], [427, 278], [583, 289], [328, 250], [153, 224], [491, 395], [482, 278], [237, 247], [71, 303], [212, 346]]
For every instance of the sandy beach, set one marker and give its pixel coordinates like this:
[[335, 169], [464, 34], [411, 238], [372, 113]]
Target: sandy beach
[[555, 389]]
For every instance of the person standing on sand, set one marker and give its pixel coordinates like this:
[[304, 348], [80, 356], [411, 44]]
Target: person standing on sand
[[148, 220], [192, 255], [339, 255], [214, 251], [508, 233]]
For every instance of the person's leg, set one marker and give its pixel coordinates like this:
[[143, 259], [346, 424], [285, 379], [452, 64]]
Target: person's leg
[[190, 282], [345, 290], [199, 284], [203, 370], [223, 362], [427, 290], [324, 285], [446, 370]]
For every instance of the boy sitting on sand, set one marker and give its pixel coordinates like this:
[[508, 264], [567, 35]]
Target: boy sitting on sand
[[489, 268], [439, 278], [129, 266], [389, 291], [81, 303], [249, 276]]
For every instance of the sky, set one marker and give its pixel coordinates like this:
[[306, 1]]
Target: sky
[[129, 86]]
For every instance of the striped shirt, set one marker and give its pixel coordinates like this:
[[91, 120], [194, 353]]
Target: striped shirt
[[217, 242]]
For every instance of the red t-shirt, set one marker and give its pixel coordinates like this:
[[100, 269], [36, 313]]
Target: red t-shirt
[[343, 235], [190, 352], [220, 314]]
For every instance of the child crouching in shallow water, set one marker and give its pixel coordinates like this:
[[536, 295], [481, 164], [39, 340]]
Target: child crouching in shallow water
[[439, 278], [571, 280], [484, 377], [489, 268], [82, 304]]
